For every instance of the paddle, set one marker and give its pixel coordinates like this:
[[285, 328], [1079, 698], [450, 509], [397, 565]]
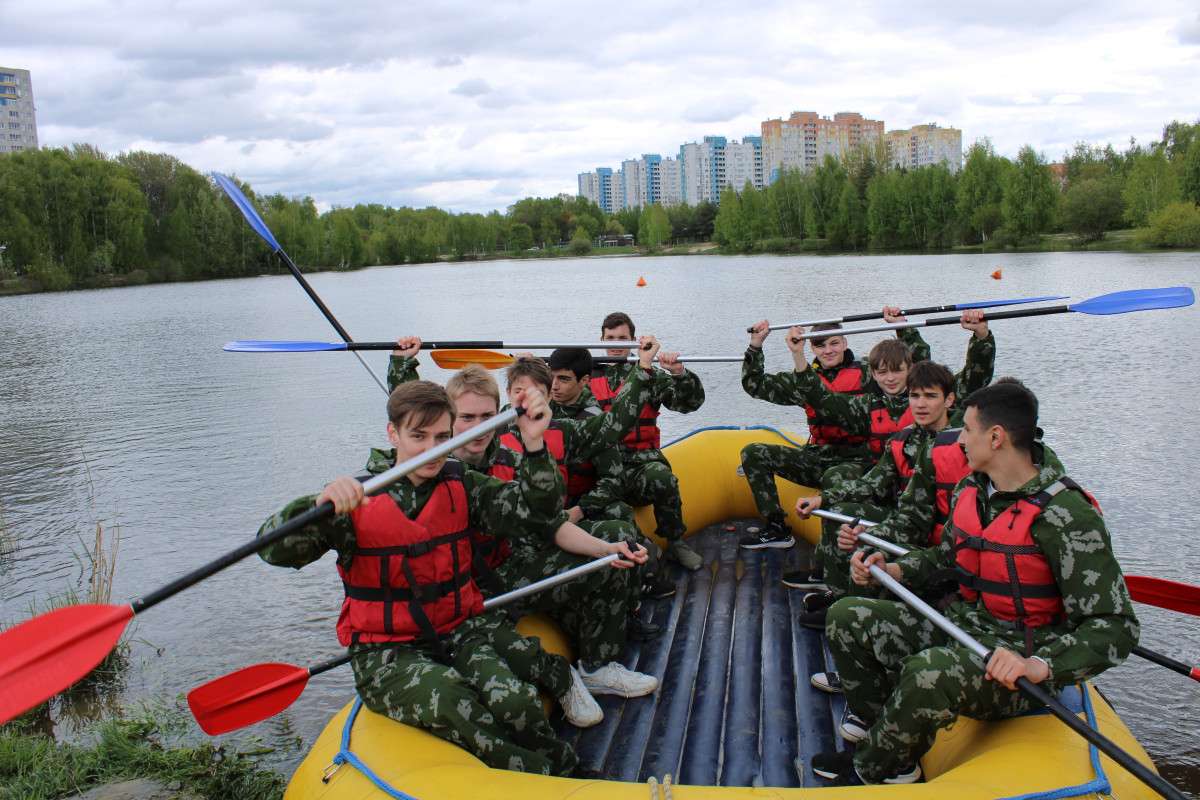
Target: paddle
[[1037, 693], [911, 311], [255, 693], [317, 347], [44, 655], [490, 359], [256, 222], [1154, 591], [1115, 303]]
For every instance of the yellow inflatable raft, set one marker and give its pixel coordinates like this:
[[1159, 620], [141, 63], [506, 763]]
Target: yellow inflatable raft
[[722, 757]]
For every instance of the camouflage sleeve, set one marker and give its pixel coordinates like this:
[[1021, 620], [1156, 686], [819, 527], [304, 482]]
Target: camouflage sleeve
[[916, 344], [528, 504], [682, 393], [309, 543], [401, 369], [779, 388], [849, 412], [875, 487], [919, 563], [610, 482], [913, 518], [1097, 603], [594, 434], [977, 371]]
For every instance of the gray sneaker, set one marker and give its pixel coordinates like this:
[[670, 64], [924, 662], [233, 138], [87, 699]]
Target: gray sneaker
[[688, 558], [614, 678]]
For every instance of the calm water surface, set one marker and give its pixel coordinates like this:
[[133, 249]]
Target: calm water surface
[[119, 407]]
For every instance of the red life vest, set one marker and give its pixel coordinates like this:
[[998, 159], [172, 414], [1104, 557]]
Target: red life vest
[[582, 477], [553, 438], [410, 578], [1003, 564], [494, 549], [883, 426], [847, 380], [645, 435], [949, 467], [903, 466]]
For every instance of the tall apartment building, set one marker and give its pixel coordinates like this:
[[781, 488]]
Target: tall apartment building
[[924, 146], [18, 116], [804, 139]]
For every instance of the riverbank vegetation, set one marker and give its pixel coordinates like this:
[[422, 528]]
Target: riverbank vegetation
[[79, 218]]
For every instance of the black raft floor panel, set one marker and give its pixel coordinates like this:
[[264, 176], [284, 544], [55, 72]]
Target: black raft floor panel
[[734, 706]]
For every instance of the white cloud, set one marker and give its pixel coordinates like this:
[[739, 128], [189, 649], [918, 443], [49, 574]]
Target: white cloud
[[471, 106]]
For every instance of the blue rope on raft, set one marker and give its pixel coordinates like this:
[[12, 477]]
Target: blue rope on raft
[[344, 756], [775, 431], [1099, 785]]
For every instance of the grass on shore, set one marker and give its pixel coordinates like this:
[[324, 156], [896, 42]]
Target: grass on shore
[[144, 744]]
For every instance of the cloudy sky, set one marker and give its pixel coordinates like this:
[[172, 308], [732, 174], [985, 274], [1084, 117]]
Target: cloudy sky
[[472, 105]]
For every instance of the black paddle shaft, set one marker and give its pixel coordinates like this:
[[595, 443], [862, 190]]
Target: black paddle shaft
[[291, 265]]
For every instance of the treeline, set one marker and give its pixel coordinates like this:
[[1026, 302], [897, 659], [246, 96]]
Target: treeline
[[78, 217], [992, 201]]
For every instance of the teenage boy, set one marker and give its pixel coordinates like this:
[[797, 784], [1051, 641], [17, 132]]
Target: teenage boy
[[596, 611], [877, 415], [648, 475], [1038, 585], [828, 444], [423, 650]]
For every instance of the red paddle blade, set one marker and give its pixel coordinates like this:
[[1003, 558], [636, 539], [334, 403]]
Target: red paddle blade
[[1165, 594], [247, 696], [45, 655]]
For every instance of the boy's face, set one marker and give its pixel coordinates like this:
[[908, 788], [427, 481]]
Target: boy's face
[[621, 333], [566, 389], [976, 441], [517, 389], [830, 351], [893, 380], [929, 406], [411, 442], [473, 409]]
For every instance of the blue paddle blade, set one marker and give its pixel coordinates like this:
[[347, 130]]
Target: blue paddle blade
[[283, 347], [990, 303], [247, 208], [1137, 300]]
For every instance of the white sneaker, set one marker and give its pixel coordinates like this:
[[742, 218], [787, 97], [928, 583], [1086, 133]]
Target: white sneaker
[[613, 678], [827, 682], [578, 705], [910, 775], [852, 727]]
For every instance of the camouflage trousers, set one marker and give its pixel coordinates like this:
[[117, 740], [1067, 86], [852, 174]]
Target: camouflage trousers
[[611, 530], [591, 609], [650, 481], [907, 679], [805, 466], [480, 701]]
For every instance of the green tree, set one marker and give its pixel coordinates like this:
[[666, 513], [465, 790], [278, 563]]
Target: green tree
[[1030, 196], [980, 191], [520, 237], [1089, 207], [1152, 184], [1175, 225], [1189, 174], [654, 227]]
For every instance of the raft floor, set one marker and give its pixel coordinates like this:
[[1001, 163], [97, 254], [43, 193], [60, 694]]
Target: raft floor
[[734, 706]]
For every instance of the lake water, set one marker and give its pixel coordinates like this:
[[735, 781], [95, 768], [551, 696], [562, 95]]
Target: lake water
[[119, 406]]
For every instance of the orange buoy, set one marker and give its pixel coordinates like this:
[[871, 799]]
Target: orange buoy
[[641, 281], [996, 274]]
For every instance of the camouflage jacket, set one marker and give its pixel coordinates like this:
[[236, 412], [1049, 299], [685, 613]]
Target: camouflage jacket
[[880, 485], [530, 503], [681, 393], [781, 388], [853, 413], [609, 466], [1100, 627]]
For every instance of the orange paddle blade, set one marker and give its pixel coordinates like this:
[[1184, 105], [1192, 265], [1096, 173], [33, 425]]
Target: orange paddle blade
[[247, 696], [457, 359], [45, 655], [1165, 594]]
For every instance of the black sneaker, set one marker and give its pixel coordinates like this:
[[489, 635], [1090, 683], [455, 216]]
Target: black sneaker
[[773, 534], [813, 619], [831, 765], [656, 590], [804, 579], [827, 682], [639, 630], [815, 601]]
